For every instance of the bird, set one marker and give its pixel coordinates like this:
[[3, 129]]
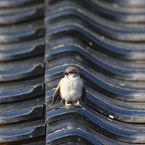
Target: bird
[[70, 88]]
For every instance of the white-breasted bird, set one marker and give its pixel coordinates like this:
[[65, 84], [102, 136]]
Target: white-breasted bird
[[70, 88]]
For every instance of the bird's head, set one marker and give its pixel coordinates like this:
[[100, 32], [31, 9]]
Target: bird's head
[[72, 73]]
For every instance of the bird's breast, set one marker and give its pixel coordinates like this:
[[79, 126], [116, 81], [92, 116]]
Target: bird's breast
[[71, 90]]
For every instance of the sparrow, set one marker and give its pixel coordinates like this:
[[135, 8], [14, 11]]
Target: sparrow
[[70, 88]]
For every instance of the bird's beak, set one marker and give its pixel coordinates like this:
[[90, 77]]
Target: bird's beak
[[65, 73]]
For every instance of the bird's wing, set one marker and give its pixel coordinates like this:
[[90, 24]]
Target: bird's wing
[[83, 97], [56, 94]]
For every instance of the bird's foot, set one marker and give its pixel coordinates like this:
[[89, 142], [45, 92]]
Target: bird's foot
[[67, 104], [77, 104]]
